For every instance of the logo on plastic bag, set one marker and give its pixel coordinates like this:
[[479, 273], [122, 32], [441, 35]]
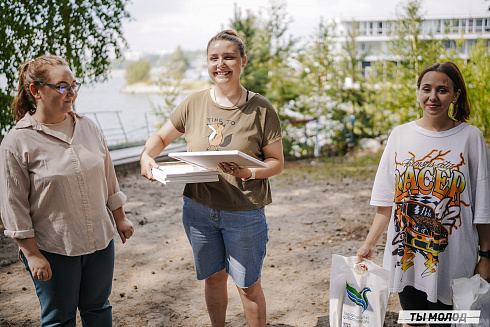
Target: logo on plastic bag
[[359, 298]]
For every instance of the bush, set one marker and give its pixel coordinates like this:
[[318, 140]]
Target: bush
[[138, 71]]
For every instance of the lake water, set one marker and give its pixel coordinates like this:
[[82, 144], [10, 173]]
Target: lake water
[[103, 102]]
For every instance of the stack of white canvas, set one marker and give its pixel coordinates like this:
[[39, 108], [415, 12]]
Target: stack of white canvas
[[200, 167], [180, 172]]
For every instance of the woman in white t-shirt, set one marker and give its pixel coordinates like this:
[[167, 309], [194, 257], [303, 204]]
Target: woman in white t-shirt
[[432, 190]]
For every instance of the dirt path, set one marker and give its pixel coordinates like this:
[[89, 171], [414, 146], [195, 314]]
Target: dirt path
[[312, 216]]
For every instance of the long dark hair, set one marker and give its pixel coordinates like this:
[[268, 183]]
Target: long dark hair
[[461, 109], [32, 72]]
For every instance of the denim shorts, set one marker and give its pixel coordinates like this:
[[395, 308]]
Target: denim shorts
[[231, 240]]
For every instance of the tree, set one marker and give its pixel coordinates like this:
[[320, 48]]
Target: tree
[[85, 33], [477, 74], [268, 70], [255, 75], [170, 91], [352, 93], [138, 71], [177, 64], [409, 52]]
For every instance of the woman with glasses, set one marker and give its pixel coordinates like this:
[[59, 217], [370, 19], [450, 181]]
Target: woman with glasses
[[61, 200]]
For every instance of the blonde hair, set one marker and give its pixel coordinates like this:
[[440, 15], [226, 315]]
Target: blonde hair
[[32, 72]]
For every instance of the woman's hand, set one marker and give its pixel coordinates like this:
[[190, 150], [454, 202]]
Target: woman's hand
[[234, 170], [483, 268], [124, 226], [39, 267], [155, 145], [380, 223], [147, 163], [365, 252], [38, 264], [125, 229]]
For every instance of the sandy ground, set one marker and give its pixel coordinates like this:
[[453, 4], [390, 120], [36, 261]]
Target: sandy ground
[[311, 218]]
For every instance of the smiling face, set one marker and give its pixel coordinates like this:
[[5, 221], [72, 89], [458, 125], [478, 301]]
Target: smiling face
[[49, 101], [435, 94], [224, 62]]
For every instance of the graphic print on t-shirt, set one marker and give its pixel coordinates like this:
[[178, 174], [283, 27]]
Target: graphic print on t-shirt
[[218, 138], [427, 199]]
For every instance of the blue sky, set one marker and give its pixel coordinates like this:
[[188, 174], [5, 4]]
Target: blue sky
[[160, 25]]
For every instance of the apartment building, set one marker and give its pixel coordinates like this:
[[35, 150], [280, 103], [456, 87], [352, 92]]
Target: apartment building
[[374, 34]]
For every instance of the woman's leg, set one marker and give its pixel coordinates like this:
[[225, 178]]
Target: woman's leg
[[216, 294], [201, 225], [254, 306], [96, 286], [413, 299], [59, 295], [246, 235]]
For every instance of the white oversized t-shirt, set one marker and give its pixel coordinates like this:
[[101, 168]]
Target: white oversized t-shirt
[[439, 186]]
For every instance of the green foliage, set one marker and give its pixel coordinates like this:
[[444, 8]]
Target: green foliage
[[255, 75], [328, 87], [177, 64], [170, 91], [359, 165], [6, 117], [477, 75], [408, 54], [86, 33], [138, 72], [269, 70]]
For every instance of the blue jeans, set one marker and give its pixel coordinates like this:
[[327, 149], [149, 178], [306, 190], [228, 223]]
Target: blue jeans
[[231, 240], [82, 282]]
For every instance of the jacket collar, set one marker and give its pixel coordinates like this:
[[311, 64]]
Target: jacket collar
[[29, 121]]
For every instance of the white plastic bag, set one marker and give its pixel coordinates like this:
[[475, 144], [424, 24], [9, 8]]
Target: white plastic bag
[[472, 294], [357, 299]]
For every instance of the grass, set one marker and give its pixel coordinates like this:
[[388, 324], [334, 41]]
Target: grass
[[357, 165]]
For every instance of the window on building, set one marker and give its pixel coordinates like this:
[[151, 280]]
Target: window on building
[[478, 25], [362, 28], [455, 26], [446, 24], [380, 28], [437, 26]]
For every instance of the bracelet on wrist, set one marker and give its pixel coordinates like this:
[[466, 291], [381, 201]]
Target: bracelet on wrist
[[484, 254], [252, 176]]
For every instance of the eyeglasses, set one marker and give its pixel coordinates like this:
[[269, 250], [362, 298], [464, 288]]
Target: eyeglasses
[[64, 89]]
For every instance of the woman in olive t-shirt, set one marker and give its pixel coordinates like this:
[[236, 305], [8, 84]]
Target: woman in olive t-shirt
[[225, 221]]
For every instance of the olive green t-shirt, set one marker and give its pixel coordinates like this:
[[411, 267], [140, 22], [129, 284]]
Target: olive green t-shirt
[[210, 127]]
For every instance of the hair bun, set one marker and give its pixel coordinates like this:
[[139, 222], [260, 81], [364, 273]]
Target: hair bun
[[230, 32]]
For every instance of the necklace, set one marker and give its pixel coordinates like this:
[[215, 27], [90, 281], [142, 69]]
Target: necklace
[[234, 105]]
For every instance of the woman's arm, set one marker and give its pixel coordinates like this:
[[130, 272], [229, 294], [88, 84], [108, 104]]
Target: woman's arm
[[483, 266], [38, 264], [155, 145], [274, 157], [380, 223], [124, 226]]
